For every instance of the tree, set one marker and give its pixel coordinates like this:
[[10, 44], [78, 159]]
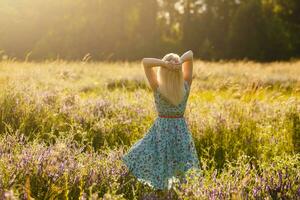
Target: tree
[[256, 34]]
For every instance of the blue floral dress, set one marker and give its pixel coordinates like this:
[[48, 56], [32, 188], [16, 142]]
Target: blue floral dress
[[166, 150]]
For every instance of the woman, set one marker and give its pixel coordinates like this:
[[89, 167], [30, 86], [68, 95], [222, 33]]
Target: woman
[[167, 149]]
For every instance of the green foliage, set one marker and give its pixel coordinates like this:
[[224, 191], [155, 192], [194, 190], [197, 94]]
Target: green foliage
[[129, 30], [256, 33]]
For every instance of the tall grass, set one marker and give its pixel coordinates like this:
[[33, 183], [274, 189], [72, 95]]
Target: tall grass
[[65, 125]]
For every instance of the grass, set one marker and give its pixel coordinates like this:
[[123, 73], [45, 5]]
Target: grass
[[65, 125]]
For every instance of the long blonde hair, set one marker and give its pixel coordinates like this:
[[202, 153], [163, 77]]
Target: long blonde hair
[[171, 81]]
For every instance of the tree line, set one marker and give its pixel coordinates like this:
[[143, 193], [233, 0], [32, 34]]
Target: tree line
[[262, 30]]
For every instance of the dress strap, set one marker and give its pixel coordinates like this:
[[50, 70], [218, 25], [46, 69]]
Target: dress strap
[[155, 91], [187, 87], [187, 84]]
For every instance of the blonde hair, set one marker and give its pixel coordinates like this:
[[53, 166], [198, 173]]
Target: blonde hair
[[171, 81]]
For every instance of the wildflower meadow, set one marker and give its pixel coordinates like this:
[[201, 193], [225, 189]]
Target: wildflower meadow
[[65, 125]]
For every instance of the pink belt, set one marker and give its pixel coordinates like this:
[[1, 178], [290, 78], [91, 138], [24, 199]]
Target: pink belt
[[165, 116]]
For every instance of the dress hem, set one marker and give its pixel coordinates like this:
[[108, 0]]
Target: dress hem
[[141, 179], [149, 182]]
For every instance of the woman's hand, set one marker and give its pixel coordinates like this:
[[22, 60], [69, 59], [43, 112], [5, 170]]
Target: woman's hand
[[172, 65]]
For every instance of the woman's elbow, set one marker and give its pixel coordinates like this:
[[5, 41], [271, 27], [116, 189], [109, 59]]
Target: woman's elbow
[[143, 62]]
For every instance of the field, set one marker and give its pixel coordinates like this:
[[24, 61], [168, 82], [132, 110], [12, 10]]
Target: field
[[65, 125]]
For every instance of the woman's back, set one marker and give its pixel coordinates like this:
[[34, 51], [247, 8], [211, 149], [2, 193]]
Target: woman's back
[[165, 108]]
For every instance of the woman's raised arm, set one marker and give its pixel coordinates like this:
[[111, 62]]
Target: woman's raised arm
[[187, 66], [150, 63]]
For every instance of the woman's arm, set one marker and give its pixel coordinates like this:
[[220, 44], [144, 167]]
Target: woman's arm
[[150, 63], [187, 66]]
